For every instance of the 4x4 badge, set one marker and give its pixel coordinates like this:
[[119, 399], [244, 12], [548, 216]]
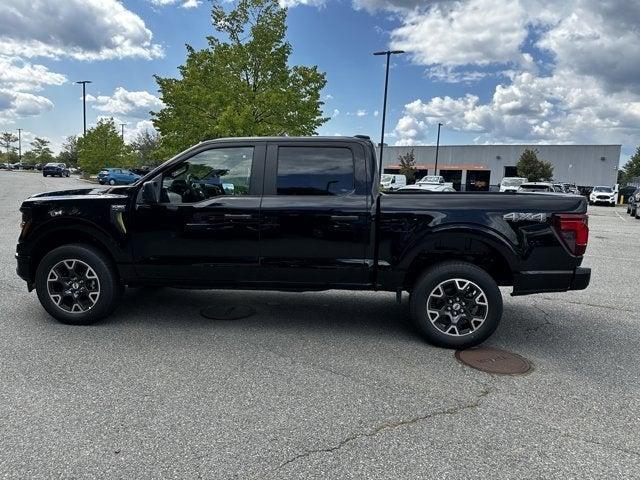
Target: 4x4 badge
[[525, 217]]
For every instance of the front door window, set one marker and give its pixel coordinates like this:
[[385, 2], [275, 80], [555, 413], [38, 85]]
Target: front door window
[[209, 174]]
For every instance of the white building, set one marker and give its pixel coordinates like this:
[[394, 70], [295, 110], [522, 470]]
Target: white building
[[482, 167]]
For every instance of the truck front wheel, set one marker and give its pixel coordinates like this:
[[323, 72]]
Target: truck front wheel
[[76, 284], [456, 305]]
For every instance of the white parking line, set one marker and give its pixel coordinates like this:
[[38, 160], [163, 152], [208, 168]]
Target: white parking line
[[621, 217]]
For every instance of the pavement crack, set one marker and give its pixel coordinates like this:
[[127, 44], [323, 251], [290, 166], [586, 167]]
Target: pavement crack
[[388, 426], [608, 446], [545, 317]]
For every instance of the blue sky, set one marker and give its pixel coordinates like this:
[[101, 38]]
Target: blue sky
[[493, 71]]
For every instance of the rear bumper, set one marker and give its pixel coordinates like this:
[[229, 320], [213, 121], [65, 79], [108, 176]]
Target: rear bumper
[[526, 283]]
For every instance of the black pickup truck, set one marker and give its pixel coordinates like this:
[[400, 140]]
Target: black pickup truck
[[300, 214]]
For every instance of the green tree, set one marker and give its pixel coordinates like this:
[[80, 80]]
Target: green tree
[[7, 139], [146, 146], [40, 152], [532, 168], [242, 85], [102, 147], [408, 166], [69, 152], [29, 157], [631, 168]]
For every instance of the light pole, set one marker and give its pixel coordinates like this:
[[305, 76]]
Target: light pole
[[435, 172], [122, 134], [84, 104], [388, 53], [20, 145]]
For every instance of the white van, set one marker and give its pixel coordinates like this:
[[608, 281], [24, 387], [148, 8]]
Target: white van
[[392, 182], [511, 184]]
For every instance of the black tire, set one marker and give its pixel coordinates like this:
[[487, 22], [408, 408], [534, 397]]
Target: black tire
[[109, 289], [112, 182], [44, 174], [443, 274]]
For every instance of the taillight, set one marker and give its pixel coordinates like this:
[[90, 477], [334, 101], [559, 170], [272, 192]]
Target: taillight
[[573, 228]]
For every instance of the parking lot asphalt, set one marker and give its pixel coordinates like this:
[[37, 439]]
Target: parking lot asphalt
[[319, 385]]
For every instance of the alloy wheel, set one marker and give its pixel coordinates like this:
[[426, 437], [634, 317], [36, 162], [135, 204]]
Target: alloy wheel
[[457, 307], [73, 286]]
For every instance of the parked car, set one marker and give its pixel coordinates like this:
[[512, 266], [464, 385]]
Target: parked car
[[633, 203], [511, 184], [117, 176], [16, 166], [306, 214], [392, 182], [427, 187], [603, 194], [626, 192], [38, 166], [143, 170], [55, 169], [28, 166], [5, 166], [570, 188], [433, 180], [537, 187]]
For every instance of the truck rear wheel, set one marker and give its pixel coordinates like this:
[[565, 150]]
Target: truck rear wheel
[[456, 305], [76, 284]]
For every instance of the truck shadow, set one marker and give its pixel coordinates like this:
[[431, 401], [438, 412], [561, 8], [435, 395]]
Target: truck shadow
[[527, 325], [370, 313]]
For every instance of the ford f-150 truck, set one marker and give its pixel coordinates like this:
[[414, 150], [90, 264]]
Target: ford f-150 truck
[[300, 214]]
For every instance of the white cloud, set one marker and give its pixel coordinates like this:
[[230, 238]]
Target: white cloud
[[474, 32], [135, 104], [599, 39], [295, 3], [183, 3], [376, 113], [16, 104], [130, 133], [191, 4], [81, 29], [335, 113], [18, 82], [361, 113], [561, 108], [24, 76]]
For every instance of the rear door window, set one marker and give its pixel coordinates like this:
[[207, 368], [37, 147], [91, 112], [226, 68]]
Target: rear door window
[[315, 171]]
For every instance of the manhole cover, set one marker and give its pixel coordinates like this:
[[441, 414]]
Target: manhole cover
[[494, 360], [232, 312]]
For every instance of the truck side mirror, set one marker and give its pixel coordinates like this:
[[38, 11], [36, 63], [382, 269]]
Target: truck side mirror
[[150, 192]]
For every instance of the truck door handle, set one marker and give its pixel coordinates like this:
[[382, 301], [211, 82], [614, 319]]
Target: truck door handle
[[344, 218], [238, 216]]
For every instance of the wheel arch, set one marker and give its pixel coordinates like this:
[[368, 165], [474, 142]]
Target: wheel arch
[[483, 248], [79, 232]]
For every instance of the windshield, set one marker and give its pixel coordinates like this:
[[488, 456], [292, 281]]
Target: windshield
[[603, 189], [513, 182], [386, 178]]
